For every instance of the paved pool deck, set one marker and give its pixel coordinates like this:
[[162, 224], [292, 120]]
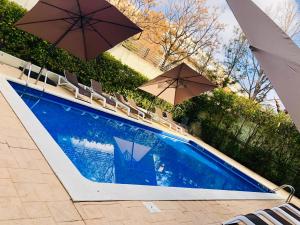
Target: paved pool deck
[[31, 194]]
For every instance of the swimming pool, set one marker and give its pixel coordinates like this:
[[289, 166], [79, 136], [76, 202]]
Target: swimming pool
[[100, 155], [109, 149]]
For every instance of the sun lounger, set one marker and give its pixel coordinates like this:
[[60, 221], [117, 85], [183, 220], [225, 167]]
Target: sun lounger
[[164, 120], [70, 81], [130, 109], [286, 214], [170, 118], [143, 112], [160, 118], [289, 211], [97, 93], [273, 217], [249, 219]]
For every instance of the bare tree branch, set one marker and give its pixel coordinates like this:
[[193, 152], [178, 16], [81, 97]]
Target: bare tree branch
[[190, 28], [245, 70]]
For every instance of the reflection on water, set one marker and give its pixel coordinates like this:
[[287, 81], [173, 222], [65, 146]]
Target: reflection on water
[[92, 145], [106, 150], [132, 150]]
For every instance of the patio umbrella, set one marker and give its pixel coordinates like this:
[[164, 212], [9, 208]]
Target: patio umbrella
[[85, 28], [278, 55], [178, 84]]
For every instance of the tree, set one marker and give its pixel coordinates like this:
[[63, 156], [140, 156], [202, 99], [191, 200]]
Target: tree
[[141, 12], [286, 15], [242, 66], [190, 29]]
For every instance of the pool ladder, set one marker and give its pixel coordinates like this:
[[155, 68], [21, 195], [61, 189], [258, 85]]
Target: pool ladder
[[28, 66], [290, 187]]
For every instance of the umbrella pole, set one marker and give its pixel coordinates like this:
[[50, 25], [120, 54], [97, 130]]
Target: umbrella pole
[[51, 48], [44, 63]]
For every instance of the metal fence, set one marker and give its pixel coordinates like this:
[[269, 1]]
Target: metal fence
[[144, 52]]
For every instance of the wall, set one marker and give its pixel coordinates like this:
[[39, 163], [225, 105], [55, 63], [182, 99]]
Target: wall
[[135, 62], [119, 52], [27, 4]]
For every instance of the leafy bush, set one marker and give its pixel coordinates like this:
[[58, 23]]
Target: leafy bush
[[115, 76], [266, 142]]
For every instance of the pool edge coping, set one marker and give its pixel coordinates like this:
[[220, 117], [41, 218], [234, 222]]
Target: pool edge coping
[[75, 183]]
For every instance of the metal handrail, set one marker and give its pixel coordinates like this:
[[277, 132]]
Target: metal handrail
[[45, 80], [292, 191], [28, 66]]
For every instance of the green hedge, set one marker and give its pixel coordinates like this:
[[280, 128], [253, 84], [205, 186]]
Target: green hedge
[[264, 141], [261, 140], [115, 76]]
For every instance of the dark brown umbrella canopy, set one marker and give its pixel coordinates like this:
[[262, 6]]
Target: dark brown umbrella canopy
[[178, 84], [85, 28], [278, 55]]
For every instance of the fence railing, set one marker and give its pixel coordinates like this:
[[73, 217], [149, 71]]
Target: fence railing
[[144, 52]]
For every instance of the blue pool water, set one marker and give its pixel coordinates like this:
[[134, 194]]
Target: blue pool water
[[109, 149]]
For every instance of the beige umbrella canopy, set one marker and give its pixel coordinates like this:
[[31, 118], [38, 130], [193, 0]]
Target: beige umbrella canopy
[[278, 55], [178, 84]]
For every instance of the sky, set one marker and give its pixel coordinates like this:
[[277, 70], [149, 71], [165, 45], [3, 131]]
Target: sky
[[228, 18]]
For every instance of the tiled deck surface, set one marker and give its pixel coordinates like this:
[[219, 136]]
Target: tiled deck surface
[[30, 193]]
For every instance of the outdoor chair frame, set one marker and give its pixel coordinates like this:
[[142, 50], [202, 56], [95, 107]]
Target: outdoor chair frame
[[164, 120], [79, 89], [97, 93], [122, 103]]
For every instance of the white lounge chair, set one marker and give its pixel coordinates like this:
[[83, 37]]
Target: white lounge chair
[[286, 214], [70, 81]]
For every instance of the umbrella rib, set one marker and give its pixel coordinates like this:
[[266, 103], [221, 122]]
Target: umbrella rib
[[69, 21], [90, 24], [65, 33], [62, 9], [198, 75], [176, 91], [117, 24], [98, 10], [180, 70], [166, 88], [82, 30], [158, 82], [211, 85], [177, 80], [99, 34], [166, 76], [46, 21]]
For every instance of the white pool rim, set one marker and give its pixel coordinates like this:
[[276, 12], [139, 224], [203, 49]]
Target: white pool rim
[[82, 189]]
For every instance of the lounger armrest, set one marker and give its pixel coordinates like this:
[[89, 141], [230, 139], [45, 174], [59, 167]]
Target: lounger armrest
[[122, 105], [98, 96], [141, 113], [145, 111], [84, 87], [62, 80]]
